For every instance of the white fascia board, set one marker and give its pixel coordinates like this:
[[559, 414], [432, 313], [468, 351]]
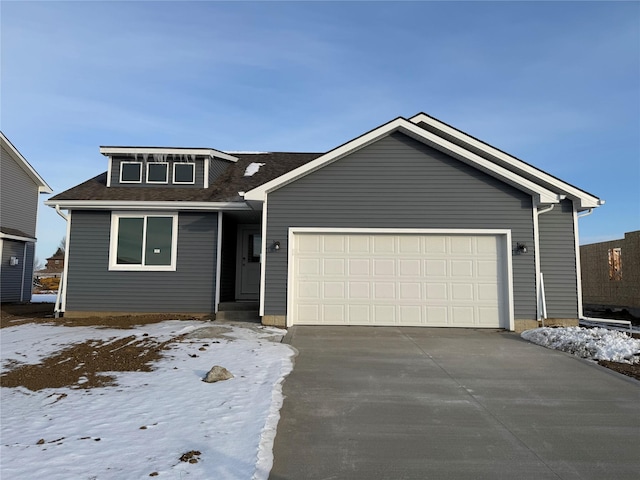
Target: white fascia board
[[130, 205], [17, 237], [586, 200], [541, 194], [207, 152], [43, 187]]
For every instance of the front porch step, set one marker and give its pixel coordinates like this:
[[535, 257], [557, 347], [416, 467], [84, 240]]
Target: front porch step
[[235, 306], [239, 311]]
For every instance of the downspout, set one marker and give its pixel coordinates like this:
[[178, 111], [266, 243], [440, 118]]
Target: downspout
[[589, 212], [578, 260], [540, 296], [62, 286]]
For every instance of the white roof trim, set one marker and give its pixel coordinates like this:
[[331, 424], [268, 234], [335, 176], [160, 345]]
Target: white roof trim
[[143, 205], [587, 200], [209, 152], [43, 187], [8, 236], [542, 194]]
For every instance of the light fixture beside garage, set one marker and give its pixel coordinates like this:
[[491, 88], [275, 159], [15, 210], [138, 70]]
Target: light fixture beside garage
[[275, 246], [521, 248]]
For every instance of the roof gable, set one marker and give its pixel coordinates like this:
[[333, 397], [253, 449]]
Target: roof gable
[[541, 194], [585, 199], [43, 187]]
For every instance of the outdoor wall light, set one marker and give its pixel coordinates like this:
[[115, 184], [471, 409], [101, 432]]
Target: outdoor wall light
[[521, 248], [276, 246]]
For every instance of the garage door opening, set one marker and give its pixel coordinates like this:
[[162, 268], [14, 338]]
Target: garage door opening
[[409, 278]]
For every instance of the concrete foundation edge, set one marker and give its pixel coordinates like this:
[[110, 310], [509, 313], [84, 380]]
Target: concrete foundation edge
[[275, 320], [166, 315]]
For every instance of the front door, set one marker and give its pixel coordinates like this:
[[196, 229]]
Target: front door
[[248, 262]]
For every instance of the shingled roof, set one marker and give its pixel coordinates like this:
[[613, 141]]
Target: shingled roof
[[224, 189]]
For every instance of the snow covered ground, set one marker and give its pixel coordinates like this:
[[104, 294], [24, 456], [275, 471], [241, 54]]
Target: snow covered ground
[[591, 343], [141, 427]]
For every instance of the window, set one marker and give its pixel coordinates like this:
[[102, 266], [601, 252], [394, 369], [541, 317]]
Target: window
[[157, 172], [255, 247], [130, 172], [615, 264], [184, 173], [143, 242]]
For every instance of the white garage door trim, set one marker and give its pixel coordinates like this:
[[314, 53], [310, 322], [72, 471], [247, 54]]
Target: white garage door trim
[[504, 235]]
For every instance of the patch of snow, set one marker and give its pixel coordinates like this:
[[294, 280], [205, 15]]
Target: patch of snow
[[43, 298], [146, 422], [591, 343], [252, 169]]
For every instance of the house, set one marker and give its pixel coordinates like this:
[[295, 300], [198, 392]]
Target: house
[[55, 263], [411, 223], [20, 186], [611, 274]]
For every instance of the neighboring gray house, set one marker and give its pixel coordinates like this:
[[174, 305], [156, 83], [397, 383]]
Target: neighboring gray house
[[412, 223], [20, 186]]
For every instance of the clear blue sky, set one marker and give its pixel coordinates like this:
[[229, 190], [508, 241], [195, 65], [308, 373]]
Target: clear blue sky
[[555, 84]]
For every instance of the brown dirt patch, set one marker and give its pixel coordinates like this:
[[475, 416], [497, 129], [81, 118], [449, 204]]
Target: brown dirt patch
[[19, 314], [632, 371], [83, 365]]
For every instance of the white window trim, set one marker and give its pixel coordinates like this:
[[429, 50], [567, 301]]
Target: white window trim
[[130, 181], [192, 182], [113, 242], [166, 172]]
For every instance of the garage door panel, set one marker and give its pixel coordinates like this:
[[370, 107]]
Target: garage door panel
[[358, 244], [359, 290], [405, 279], [462, 268], [359, 267], [384, 244], [384, 267], [435, 268], [333, 266], [333, 244], [384, 314], [333, 290], [359, 314]]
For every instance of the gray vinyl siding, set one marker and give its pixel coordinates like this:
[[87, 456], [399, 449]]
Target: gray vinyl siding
[[398, 182], [216, 168], [18, 196], [558, 261], [15, 281], [92, 287], [115, 174]]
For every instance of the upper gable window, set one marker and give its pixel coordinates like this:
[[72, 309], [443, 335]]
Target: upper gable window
[[157, 172], [184, 173], [131, 172]]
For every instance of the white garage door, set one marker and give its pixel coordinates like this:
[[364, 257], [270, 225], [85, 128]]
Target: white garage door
[[399, 279]]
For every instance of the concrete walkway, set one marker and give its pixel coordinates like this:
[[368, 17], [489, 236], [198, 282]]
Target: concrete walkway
[[426, 403]]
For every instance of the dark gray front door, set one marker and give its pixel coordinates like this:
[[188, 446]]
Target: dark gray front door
[[248, 262]]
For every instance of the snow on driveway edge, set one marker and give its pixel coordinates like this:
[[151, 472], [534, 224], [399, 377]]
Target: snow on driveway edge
[[268, 435], [590, 343]]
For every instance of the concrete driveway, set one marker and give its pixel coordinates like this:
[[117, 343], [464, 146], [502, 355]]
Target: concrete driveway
[[429, 403]]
